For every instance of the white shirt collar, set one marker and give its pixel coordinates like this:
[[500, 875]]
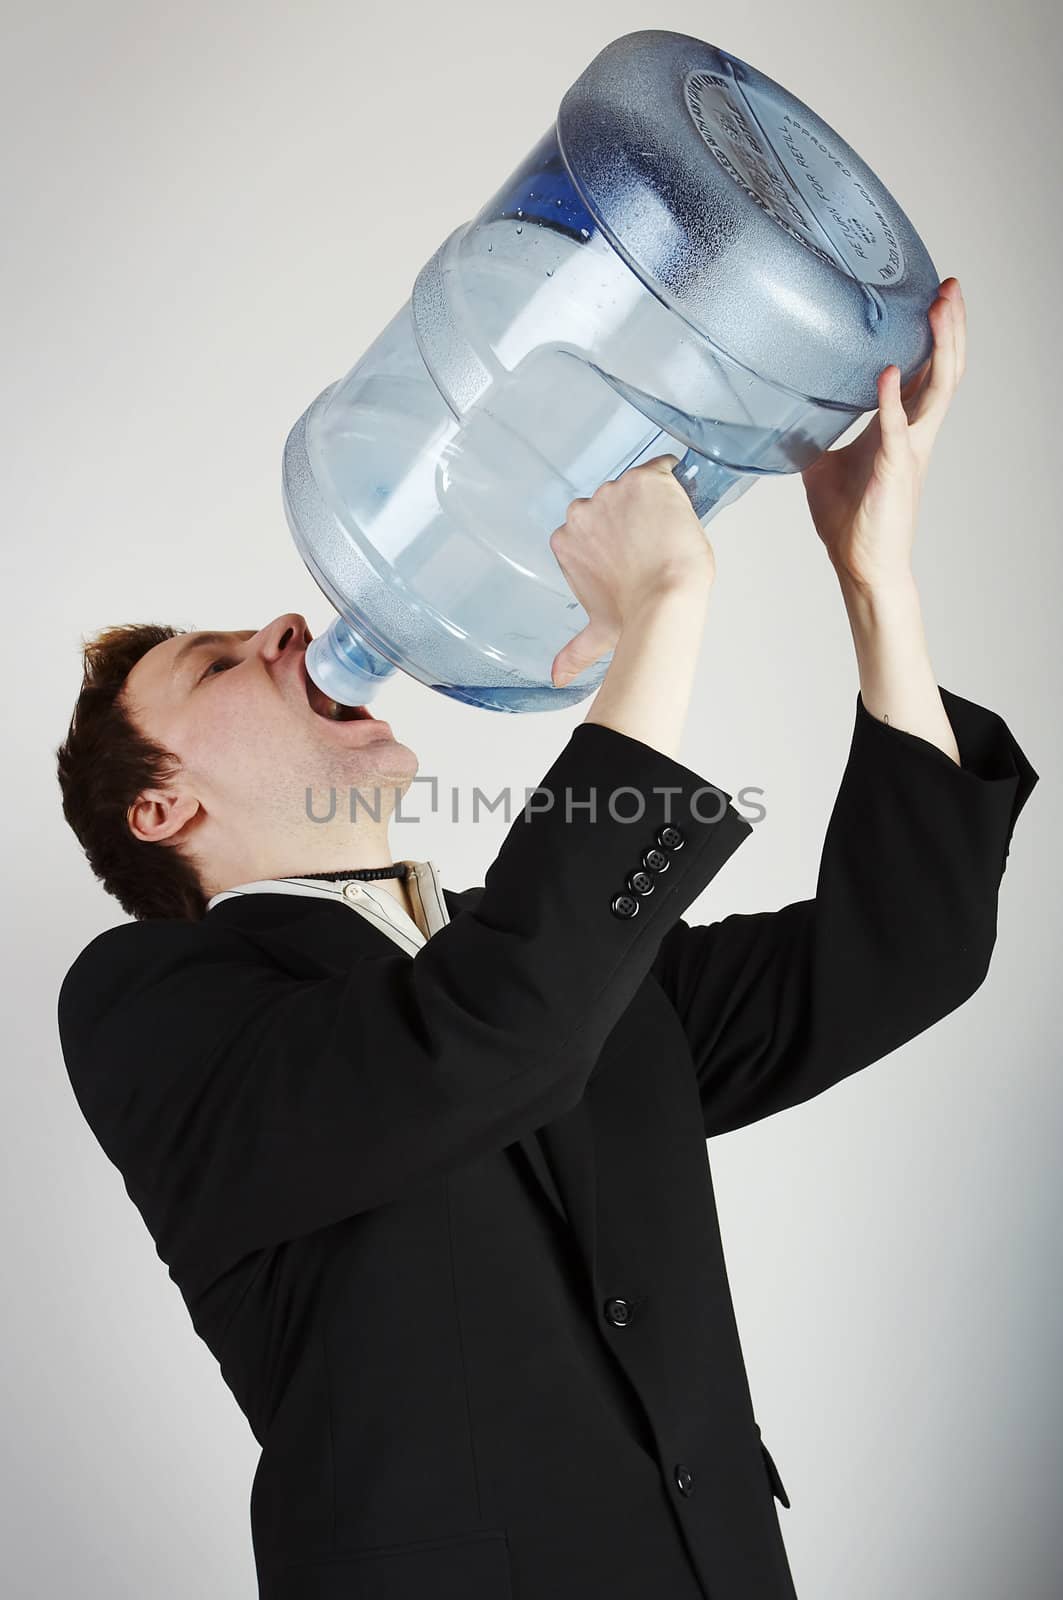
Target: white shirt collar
[[367, 897]]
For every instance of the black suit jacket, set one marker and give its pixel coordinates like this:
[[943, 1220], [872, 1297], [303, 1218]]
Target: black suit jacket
[[447, 1221]]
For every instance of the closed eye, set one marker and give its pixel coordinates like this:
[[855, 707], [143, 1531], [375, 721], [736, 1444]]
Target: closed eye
[[219, 661]]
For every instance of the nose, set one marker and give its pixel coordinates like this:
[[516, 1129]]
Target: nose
[[283, 633]]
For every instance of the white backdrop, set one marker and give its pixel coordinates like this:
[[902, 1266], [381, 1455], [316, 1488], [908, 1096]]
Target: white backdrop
[[208, 213]]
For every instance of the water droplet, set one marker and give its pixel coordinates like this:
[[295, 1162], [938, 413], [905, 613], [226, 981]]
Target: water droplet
[[584, 232], [490, 246], [549, 272], [520, 213], [559, 202], [519, 228]]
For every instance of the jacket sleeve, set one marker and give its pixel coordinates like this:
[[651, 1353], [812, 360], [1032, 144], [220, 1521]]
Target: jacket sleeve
[[779, 1005], [245, 1106]]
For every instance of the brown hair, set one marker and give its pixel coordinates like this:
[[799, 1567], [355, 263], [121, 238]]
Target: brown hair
[[104, 763]]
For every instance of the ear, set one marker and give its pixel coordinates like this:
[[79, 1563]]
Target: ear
[[157, 814]]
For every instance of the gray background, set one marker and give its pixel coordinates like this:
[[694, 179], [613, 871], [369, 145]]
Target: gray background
[[208, 214]]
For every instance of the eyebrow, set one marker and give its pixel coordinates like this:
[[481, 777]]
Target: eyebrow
[[198, 641]]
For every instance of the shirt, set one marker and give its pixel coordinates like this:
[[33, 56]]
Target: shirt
[[363, 895]]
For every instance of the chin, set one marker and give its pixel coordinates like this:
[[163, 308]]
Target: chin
[[384, 755]]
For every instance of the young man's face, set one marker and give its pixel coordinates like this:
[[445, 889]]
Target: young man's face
[[258, 751]]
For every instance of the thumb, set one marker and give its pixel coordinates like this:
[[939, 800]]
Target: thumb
[[581, 651]]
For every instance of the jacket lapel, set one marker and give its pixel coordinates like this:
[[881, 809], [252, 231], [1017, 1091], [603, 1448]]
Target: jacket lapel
[[559, 1156], [307, 932]]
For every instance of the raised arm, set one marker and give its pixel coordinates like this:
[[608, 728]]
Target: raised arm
[[779, 1005]]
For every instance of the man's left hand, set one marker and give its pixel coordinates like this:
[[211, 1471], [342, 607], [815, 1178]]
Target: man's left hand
[[864, 497]]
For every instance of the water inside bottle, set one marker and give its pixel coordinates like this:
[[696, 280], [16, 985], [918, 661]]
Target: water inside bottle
[[446, 511]]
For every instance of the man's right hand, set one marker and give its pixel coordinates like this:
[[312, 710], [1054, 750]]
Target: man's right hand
[[635, 540]]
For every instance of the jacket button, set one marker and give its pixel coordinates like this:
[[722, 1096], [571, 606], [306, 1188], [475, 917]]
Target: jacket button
[[655, 860], [640, 882], [670, 837], [618, 1312], [684, 1479], [624, 905]]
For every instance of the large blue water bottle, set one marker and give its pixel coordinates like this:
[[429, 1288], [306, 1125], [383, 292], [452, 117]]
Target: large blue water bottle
[[689, 261]]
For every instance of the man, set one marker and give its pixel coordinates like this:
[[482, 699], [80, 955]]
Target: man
[[431, 1178]]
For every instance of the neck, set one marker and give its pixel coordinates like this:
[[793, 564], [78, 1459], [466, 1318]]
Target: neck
[[298, 855]]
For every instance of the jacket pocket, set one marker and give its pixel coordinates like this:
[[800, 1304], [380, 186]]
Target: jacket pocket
[[472, 1566]]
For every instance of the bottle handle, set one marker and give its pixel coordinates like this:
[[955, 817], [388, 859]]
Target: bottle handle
[[709, 485]]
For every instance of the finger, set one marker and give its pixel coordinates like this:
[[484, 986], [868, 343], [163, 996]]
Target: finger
[[952, 292], [893, 423], [563, 670], [581, 652], [961, 331], [953, 326], [934, 400]]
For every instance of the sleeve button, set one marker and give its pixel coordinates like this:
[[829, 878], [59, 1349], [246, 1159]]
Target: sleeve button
[[640, 882], [624, 905], [671, 837], [655, 860]]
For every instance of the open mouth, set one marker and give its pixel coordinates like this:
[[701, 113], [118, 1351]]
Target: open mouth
[[331, 710]]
